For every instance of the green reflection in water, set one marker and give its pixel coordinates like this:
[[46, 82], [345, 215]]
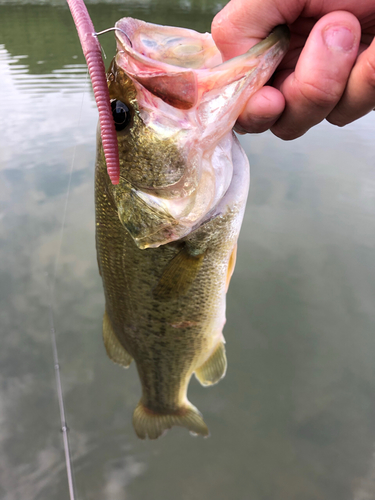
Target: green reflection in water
[[57, 44]]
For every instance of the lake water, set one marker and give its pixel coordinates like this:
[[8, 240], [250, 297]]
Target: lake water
[[294, 418]]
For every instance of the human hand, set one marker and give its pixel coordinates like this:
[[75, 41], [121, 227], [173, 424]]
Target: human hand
[[328, 72]]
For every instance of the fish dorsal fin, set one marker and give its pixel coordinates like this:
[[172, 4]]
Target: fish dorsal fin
[[214, 368], [178, 275], [148, 423], [114, 349]]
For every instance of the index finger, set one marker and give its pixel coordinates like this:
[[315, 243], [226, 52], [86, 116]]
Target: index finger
[[242, 23]]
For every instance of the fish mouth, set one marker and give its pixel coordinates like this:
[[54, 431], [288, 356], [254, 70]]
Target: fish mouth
[[180, 65], [187, 95]]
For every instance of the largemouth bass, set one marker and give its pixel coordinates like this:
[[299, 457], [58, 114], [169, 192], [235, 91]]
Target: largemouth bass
[[167, 233]]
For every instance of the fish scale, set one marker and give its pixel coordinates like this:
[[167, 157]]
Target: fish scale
[[144, 324], [166, 235]]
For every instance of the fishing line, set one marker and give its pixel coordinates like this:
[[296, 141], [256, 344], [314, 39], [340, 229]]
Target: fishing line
[[103, 52], [64, 427]]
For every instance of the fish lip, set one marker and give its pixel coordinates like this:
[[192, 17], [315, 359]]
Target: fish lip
[[182, 86], [129, 26], [279, 35], [276, 43]]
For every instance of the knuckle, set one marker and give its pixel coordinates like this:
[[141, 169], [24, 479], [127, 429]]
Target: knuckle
[[218, 30], [216, 27], [359, 98], [324, 95], [338, 119], [370, 69], [287, 133]]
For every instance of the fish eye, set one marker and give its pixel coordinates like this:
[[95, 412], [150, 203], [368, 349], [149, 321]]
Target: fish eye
[[121, 114]]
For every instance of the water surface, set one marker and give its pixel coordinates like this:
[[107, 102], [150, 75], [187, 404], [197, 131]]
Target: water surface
[[295, 416]]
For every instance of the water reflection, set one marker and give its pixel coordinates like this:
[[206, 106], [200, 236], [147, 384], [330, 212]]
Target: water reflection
[[66, 80], [295, 416]]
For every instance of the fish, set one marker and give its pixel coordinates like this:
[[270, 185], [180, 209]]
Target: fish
[[166, 233]]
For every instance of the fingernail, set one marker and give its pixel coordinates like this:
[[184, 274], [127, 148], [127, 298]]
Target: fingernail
[[240, 130], [338, 38]]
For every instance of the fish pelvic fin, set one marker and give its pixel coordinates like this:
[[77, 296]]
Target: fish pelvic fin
[[114, 349], [178, 275], [214, 368], [148, 423], [231, 266]]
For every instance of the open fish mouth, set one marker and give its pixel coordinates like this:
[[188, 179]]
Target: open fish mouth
[[164, 55], [180, 66], [185, 100]]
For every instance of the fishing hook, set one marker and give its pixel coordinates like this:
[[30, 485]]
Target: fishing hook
[[114, 29]]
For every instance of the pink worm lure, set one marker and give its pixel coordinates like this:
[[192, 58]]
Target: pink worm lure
[[92, 52]]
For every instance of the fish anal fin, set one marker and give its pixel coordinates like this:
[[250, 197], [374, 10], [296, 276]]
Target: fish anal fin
[[114, 349], [231, 265], [178, 275], [214, 368], [150, 424]]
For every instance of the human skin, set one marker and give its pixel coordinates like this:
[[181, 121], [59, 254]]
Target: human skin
[[328, 72]]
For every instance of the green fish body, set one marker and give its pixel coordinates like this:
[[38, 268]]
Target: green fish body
[[166, 235]]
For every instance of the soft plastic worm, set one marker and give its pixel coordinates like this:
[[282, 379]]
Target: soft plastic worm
[[92, 52]]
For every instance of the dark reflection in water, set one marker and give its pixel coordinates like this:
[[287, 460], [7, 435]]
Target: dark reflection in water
[[295, 416]]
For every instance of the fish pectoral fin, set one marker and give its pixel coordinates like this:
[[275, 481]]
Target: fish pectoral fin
[[149, 423], [114, 349], [214, 368], [178, 275]]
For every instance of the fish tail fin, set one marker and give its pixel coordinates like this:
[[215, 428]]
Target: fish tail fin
[[152, 424]]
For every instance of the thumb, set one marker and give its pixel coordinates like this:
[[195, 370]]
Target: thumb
[[243, 23]]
